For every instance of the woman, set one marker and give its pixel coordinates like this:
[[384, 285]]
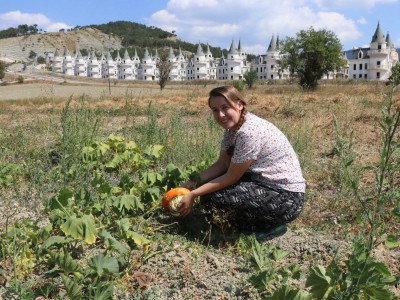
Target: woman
[[257, 178]]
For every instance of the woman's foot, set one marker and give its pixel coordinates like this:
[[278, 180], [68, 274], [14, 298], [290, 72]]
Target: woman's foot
[[268, 234]]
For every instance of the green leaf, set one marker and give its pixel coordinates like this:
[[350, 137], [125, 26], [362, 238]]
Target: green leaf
[[74, 291], [54, 241], [103, 266], [60, 201], [392, 242], [319, 282], [45, 289], [102, 291], [154, 151], [287, 293], [279, 254], [81, 228], [65, 261], [128, 203], [113, 243], [136, 238]]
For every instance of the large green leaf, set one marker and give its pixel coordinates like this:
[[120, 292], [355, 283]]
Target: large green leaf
[[102, 291], [102, 265], [154, 151], [65, 261], [54, 241], [128, 203], [74, 291], [136, 238], [60, 201], [81, 228], [287, 293], [319, 282], [113, 243]]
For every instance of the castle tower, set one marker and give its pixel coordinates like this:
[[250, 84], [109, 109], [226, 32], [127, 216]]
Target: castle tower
[[57, 63], [80, 64]]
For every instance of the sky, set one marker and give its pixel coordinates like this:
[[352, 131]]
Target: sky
[[218, 22]]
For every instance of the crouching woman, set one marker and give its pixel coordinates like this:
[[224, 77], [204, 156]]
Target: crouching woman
[[257, 178]]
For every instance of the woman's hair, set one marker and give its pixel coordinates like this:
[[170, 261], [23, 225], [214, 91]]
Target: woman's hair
[[232, 96]]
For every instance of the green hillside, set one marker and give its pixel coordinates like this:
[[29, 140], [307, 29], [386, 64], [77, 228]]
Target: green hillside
[[140, 36]]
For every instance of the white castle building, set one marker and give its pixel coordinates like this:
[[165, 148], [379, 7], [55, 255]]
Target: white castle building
[[373, 63], [376, 61]]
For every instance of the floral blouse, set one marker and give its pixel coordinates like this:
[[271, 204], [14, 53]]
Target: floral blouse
[[274, 161]]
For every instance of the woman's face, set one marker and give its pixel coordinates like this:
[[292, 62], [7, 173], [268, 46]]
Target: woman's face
[[225, 115]]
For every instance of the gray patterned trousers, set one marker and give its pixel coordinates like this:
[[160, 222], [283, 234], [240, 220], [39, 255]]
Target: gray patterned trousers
[[254, 205]]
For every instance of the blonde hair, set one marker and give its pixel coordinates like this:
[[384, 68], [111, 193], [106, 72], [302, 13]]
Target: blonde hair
[[232, 96]]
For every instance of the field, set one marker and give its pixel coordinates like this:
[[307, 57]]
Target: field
[[83, 168]]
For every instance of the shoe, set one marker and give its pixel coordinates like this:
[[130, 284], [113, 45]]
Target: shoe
[[269, 234]]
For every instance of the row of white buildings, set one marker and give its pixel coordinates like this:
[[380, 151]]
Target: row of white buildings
[[201, 66], [374, 62]]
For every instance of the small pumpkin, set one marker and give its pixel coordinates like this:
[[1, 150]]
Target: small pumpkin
[[172, 198]]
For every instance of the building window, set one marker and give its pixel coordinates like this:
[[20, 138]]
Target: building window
[[378, 63], [366, 66], [365, 76], [359, 75], [354, 76], [272, 76], [379, 47], [272, 67], [231, 68], [360, 66], [378, 75], [354, 67]]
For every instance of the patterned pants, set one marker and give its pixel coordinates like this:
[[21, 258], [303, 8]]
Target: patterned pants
[[253, 205]]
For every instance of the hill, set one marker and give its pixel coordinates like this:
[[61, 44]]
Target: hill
[[112, 36]]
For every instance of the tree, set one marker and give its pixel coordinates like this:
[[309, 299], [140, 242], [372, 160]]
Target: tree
[[311, 55], [41, 60], [395, 75], [250, 78], [164, 68], [32, 54], [2, 69]]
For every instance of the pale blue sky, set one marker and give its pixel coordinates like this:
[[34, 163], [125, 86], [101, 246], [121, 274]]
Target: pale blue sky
[[218, 22]]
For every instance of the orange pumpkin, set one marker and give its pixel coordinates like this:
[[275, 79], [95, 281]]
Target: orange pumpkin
[[172, 198]]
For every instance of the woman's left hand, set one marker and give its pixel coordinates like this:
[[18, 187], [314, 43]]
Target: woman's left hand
[[185, 207]]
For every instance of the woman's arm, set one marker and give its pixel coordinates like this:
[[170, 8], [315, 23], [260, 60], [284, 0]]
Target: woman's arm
[[232, 175], [216, 169]]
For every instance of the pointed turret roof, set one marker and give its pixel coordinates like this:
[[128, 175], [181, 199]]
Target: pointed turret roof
[[232, 49], [146, 54], [272, 44], [126, 55], [240, 46], [56, 53], [389, 41], [180, 52], [78, 54], [171, 53], [208, 51], [278, 43], [199, 51], [156, 54], [378, 36], [109, 57], [66, 53], [118, 56]]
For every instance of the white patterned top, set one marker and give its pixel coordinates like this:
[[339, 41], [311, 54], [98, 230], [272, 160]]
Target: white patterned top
[[274, 161]]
